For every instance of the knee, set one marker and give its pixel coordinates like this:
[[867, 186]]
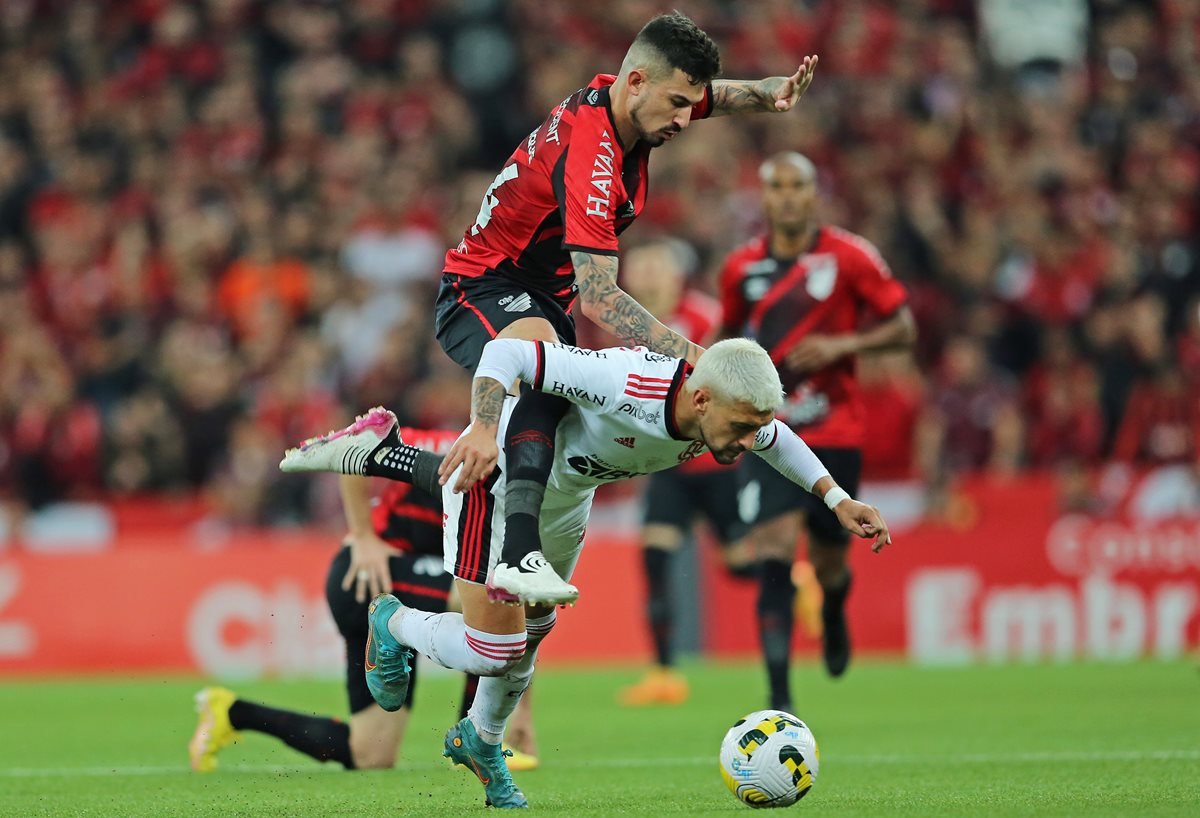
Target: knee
[[374, 759], [373, 750], [829, 565]]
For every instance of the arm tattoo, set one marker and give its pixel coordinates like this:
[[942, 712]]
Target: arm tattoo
[[740, 96], [616, 311], [487, 399]]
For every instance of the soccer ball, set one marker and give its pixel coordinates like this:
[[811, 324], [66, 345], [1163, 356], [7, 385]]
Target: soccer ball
[[769, 759]]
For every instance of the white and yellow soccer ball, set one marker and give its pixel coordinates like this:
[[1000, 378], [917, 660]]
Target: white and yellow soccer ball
[[769, 759]]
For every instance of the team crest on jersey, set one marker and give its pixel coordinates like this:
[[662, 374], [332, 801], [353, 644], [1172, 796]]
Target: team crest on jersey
[[822, 276]]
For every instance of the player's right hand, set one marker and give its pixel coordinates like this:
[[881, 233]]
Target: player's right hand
[[476, 452]]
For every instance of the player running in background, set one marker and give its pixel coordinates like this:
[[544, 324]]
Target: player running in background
[[546, 238], [801, 291], [632, 412], [657, 274], [392, 546]]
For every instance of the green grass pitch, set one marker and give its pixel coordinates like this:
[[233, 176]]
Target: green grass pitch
[[1043, 740]]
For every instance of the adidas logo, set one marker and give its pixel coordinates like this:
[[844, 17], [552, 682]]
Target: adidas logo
[[516, 303], [627, 442]]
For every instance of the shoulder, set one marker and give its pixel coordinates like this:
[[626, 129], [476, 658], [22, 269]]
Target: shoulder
[[753, 250], [850, 245]]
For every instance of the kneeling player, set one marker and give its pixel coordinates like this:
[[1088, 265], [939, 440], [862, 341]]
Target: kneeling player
[[393, 547], [727, 405]]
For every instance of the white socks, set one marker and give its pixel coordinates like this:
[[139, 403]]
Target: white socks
[[497, 696], [447, 640]]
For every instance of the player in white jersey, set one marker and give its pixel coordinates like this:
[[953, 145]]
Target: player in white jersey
[[634, 412]]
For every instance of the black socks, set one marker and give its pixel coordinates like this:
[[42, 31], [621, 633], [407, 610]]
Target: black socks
[[775, 618], [321, 737], [408, 464], [657, 562], [529, 455]]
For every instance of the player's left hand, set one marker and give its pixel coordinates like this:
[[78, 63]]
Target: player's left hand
[[370, 572], [817, 351], [793, 87], [864, 521]]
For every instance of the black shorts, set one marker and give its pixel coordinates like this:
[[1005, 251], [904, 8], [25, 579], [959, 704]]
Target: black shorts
[[472, 311], [675, 497], [766, 494], [417, 580]]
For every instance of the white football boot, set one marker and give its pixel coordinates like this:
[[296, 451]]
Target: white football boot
[[345, 451], [531, 581]]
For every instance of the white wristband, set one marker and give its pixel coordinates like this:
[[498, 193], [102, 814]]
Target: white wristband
[[834, 496]]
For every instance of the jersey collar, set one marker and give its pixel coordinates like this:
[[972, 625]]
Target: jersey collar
[[681, 374]]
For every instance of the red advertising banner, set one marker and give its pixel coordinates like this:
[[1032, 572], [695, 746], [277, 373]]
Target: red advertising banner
[[1010, 579], [1015, 579], [252, 608]]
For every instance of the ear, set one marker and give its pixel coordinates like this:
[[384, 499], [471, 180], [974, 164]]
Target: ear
[[637, 81], [701, 400]]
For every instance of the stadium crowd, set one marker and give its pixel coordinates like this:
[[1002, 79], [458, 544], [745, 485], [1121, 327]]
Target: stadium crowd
[[222, 223]]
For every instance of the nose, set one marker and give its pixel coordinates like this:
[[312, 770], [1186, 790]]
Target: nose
[[683, 120], [747, 440]]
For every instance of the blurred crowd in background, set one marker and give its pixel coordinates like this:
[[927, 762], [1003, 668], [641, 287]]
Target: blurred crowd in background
[[222, 223]]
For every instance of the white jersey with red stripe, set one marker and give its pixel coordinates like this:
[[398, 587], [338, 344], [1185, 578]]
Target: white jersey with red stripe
[[624, 425]]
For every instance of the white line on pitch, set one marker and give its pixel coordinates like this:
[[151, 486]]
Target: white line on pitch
[[687, 761]]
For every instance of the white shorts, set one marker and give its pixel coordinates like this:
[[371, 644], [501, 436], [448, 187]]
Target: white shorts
[[473, 530]]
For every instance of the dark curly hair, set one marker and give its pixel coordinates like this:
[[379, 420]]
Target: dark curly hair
[[683, 45]]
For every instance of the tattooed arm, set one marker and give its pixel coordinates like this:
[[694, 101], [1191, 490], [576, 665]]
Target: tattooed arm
[[616, 311], [774, 94]]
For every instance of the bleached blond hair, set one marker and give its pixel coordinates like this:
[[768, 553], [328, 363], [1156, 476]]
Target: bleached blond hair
[[736, 370]]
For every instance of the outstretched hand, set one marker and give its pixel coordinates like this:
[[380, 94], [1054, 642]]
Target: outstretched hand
[[864, 521], [793, 87]]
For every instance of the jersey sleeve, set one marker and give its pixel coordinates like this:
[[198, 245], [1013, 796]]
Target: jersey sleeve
[[734, 310], [588, 187], [789, 455], [703, 108], [591, 378], [873, 279]]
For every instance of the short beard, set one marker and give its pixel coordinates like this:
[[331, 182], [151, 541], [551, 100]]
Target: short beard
[[654, 140]]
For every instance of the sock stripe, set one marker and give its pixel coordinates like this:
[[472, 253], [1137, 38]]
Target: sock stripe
[[502, 654]]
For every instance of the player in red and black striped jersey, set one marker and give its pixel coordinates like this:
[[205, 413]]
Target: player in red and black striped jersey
[[657, 274], [802, 291], [544, 244], [394, 545]]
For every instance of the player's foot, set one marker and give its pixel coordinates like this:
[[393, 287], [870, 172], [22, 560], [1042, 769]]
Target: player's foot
[[836, 634], [464, 746], [345, 451], [531, 581], [213, 730], [809, 598], [388, 663], [661, 685], [521, 762]]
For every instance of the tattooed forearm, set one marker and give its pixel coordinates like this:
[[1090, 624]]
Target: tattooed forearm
[[615, 310], [487, 400], [741, 96]]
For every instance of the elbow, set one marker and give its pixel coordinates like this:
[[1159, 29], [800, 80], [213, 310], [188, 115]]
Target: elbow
[[591, 309]]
